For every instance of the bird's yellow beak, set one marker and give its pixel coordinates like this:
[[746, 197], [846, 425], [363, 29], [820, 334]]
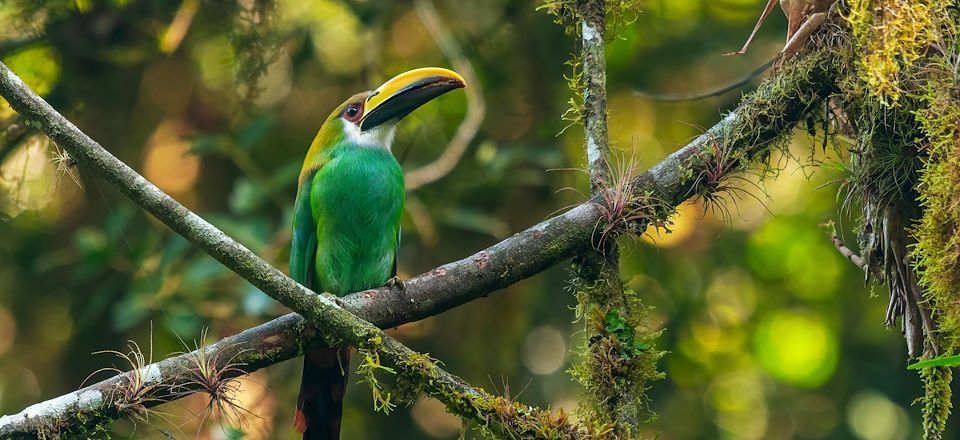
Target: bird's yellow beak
[[406, 92]]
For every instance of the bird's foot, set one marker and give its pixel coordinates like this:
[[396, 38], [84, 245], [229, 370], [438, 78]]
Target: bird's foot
[[395, 282]]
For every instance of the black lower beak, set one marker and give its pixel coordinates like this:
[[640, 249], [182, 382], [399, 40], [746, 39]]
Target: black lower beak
[[408, 99]]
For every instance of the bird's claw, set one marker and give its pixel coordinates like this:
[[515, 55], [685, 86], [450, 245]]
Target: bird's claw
[[395, 281]]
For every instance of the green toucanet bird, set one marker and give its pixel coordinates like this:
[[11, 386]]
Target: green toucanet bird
[[346, 221]]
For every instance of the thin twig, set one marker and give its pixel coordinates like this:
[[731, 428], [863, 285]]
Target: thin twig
[[848, 253], [476, 105]]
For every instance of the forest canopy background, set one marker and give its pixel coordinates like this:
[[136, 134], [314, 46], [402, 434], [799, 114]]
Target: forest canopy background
[[771, 333]]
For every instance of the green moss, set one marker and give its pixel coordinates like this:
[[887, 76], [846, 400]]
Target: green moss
[[936, 255], [902, 98], [88, 424], [618, 359], [367, 370], [568, 13], [892, 35], [492, 416], [936, 401]]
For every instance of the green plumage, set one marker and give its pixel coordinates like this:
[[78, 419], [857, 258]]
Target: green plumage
[[347, 220]]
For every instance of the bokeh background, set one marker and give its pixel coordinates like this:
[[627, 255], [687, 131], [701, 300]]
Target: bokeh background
[[771, 333]]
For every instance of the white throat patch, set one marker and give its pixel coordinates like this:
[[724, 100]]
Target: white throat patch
[[380, 136]]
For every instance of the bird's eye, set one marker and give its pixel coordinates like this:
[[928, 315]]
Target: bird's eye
[[351, 113]]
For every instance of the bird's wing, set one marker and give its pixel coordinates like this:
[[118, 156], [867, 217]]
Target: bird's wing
[[396, 254], [303, 250]]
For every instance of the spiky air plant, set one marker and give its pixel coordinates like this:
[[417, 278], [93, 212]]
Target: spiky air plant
[[217, 378], [720, 183], [132, 395], [624, 210], [65, 166]]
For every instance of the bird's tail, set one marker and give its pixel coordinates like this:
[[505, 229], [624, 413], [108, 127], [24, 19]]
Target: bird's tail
[[320, 405]]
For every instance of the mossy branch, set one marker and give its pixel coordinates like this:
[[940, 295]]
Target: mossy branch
[[763, 117], [612, 372], [594, 80], [337, 325]]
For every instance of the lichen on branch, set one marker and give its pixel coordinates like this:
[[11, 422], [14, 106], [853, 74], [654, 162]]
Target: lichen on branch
[[764, 117]]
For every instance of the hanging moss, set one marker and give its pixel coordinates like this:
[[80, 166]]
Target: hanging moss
[[936, 255], [903, 103]]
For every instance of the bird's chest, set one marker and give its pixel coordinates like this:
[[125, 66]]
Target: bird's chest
[[357, 203], [359, 186]]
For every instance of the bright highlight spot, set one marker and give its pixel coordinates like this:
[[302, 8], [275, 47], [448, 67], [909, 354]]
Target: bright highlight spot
[[432, 418], [731, 296], [545, 350], [872, 416], [797, 348], [683, 226], [738, 399], [169, 163], [28, 179]]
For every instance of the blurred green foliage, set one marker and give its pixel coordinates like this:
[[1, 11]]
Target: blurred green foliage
[[771, 333]]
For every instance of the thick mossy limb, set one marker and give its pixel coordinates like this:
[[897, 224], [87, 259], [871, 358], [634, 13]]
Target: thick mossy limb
[[936, 255], [618, 359], [903, 101], [492, 416]]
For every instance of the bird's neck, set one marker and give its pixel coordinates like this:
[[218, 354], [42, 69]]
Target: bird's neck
[[337, 133], [380, 136]]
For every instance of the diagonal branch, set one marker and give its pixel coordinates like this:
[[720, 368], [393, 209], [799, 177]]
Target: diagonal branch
[[768, 114], [337, 325]]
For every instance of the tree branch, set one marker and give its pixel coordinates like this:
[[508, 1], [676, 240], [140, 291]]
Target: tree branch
[[337, 325], [613, 373], [592, 37], [849, 253], [763, 117]]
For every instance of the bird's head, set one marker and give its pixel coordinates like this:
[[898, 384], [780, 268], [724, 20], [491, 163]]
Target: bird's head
[[370, 118]]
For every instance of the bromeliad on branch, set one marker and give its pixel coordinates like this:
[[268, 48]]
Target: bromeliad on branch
[[346, 222]]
